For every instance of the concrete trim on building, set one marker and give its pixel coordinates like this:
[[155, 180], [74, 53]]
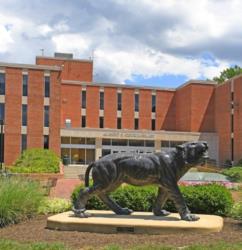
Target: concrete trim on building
[[29, 66], [64, 58]]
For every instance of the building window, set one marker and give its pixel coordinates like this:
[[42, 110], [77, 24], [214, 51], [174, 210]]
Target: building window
[[119, 101], [153, 103], [102, 100], [83, 99], [25, 85], [2, 111], [24, 114], [101, 122], [47, 86], [46, 116], [153, 124], [136, 102], [83, 121], [136, 123], [2, 84], [119, 123], [23, 142], [46, 142]]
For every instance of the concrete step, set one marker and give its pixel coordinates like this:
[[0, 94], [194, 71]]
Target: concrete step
[[74, 171]]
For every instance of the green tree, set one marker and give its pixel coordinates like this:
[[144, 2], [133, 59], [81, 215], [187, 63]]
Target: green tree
[[227, 74]]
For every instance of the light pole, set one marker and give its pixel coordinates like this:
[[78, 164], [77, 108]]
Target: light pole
[[1, 144]]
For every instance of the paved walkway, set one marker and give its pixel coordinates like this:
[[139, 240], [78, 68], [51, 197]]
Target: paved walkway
[[64, 188]]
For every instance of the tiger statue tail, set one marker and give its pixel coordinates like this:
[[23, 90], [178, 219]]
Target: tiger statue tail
[[87, 174]]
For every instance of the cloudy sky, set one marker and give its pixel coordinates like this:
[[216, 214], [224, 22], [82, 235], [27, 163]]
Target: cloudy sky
[[147, 42]]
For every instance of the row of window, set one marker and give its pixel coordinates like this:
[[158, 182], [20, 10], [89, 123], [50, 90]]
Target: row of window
[[119, 123], [24, 142], [119, 101], [25, 114], [25, 80]]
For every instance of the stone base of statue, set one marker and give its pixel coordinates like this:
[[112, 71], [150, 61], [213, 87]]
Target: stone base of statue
[[137, 223]]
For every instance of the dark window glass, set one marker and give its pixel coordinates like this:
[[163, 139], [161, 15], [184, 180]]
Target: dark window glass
[[136, 102], [102, 100], [136, 143], [100, 122], [119, 142], [119, 101], [24, 115], [78, 140], [149, 143], [153, 124], [90, 141], [47, 86], [23, 142], [25, 85], [84, 99], [136, 123], [2, 84], [2, 111], [46, 116], [106, 141], [173, 144], [119, 123], [153, 103], [46, 142], [165, 144], [106, 152], [65, 140], [83, 121]]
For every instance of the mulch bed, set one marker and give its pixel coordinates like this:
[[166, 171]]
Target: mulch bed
[[34, 230]]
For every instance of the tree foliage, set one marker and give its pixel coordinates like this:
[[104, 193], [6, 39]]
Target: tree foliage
[[228, 74]]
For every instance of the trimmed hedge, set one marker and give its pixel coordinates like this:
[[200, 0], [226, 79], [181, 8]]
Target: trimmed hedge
[[234, 173], [19, 199], [236, 211], [36, 160], [204, 199]]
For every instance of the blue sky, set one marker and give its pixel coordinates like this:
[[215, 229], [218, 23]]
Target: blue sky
[[148, 42]]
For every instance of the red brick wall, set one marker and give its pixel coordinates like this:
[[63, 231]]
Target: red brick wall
[[92, 108], [222, 120], [71, 104], [55, 110], [13, 105], [127, 108], [35, 113], [73, 69], [110, 108], [165, 110], [202, 108], [238, 119], [145, 109], [183, 108]]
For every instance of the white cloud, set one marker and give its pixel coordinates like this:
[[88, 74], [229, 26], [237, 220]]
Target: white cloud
[[139, 37]]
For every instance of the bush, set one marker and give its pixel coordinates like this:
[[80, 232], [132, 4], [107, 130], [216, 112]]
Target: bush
[[37, 161], [234, 173], [55, 205], [236, 211], [19, 199], [205, 199]]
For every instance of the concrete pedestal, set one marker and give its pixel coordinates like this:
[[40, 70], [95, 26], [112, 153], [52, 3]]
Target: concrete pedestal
[[138, 223]]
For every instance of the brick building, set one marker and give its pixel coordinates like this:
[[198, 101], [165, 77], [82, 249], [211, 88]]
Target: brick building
[[55, 104]]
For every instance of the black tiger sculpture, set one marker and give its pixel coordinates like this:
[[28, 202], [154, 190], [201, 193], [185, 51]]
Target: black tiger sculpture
[[163, 169]]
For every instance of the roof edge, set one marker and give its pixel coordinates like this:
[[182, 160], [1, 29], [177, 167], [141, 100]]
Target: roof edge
[[29, 66]]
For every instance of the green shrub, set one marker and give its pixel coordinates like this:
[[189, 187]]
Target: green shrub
[[207, 199], [234, 173], [236, 211], [19, 199], [55, 205], [37, 160]]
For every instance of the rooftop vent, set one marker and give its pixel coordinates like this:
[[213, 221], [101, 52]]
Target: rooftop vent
[[63, 55]]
